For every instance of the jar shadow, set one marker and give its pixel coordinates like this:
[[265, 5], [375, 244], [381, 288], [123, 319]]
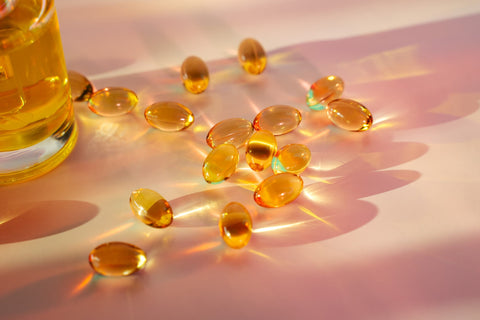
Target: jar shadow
[[40, 219]]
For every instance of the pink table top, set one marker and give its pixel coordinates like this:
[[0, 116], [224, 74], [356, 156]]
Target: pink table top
[[388, 224]]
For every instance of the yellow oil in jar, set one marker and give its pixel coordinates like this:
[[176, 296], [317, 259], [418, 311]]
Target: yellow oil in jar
[[34, 90]]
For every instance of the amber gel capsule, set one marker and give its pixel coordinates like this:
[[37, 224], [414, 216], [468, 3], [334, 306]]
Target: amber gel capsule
[[113, 101], [261, 147], [82, 88], [151, 208], [278, 190], [278, 119], [169, 116], [323, 91], [251, 56], [293, 158], [235, 131], [117, 259], [220, 163], [349, 115], [235, 225], [194, 73]]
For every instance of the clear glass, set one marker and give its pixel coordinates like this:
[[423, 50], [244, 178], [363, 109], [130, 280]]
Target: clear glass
[[37, 126]]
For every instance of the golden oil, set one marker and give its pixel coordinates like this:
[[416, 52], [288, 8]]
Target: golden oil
[[35, 99]]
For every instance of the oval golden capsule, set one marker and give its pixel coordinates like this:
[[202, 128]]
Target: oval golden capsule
[[117, 259], [323, 91], [82, 88], [169, 116], [113, 101], [235, 131], [194, 73], [151, 208], [251, 56], [235, 225], [278, 190], [349, 115], [261, 147], [220, 163], [278, 119], [293, 158]]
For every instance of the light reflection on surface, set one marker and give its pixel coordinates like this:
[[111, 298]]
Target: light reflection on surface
[[318, 179], [279, 227], [246, 185], [304, 84], [202, 208], [260, 254], [202, 153], [207, 120], [176, 69], [200, 128], [82, 284], [317, 136], [187, 185], [312, 195], [114, 231], [253, 105], [279, 58], [225, 75], [147, 234], [310, 213], [387, 65], [458, 104], [201, 248], [232, 52], [305, 132], [325, 165], [382, 123], [117, 130], [192, 211], [247, 178]]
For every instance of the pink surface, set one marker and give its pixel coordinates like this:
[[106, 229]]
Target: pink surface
[[387, 226]]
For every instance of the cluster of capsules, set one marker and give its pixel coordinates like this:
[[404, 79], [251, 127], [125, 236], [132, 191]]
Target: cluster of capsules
[[284, 186], [116, 101], [165, 115], [348, 114], [120, 258], [225, 138]]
